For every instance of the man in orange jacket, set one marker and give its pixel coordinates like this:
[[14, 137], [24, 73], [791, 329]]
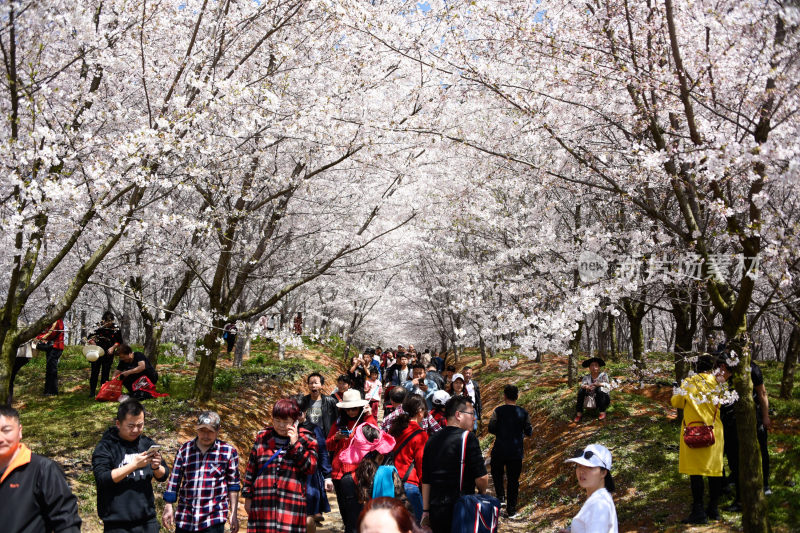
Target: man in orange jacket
[[34, 494]]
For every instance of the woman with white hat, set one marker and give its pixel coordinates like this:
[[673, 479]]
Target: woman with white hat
[[593, 470], [353, 410]]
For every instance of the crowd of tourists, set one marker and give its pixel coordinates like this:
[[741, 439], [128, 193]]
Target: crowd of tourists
[[396, 441]]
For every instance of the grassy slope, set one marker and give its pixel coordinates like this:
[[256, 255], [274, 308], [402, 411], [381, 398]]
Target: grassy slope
[[66, 428], [642, 432]]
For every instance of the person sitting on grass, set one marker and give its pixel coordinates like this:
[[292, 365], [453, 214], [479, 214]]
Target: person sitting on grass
[[594, 389]]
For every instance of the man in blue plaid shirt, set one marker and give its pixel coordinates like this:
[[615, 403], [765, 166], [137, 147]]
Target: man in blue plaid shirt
[[204, 482]]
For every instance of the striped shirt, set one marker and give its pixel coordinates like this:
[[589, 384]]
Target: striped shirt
[[200, 482]]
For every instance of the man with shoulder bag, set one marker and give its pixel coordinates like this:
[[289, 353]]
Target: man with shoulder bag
[[452, 458]]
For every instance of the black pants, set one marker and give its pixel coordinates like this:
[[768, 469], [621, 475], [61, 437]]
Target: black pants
[[441, 516], [349, 507], [19, 362], [51, 372], [602, 399], [714, 491], [513, 468], [732, 453], [104, 364], [151, 526], [151, 374]]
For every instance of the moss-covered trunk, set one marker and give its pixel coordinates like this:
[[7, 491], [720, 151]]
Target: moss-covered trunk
[[790, 363]]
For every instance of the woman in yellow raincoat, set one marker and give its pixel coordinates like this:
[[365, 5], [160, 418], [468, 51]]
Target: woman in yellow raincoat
[[699, 396]]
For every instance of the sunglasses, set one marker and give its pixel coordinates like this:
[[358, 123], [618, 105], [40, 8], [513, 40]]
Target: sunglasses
[[588, 454]]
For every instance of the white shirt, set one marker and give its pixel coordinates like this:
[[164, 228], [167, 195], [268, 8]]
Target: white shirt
[[471, 390], [598, 515]]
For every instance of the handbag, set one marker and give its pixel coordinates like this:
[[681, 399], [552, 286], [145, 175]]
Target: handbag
[[474, 513], [25, 351], [589, 402], [110, 391], [698, 435]]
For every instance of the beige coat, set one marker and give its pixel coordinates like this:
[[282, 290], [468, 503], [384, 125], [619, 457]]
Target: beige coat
[[700, 461]]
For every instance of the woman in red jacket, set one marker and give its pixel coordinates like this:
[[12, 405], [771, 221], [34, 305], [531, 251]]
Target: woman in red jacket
[[410, 441], [283, 457], [51, 342], [353, 411]]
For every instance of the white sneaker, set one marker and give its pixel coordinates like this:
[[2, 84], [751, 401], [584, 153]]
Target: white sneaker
[[767, 491]]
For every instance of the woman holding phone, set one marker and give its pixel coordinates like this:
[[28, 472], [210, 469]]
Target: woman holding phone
[[282, 458], [353, 410]]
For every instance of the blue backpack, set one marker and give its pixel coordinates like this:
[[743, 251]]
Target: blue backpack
[[474, 513]]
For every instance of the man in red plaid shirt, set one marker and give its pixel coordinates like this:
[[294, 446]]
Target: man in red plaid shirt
[[209, 469]]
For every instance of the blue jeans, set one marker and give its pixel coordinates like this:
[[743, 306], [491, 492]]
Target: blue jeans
[[415, 499]]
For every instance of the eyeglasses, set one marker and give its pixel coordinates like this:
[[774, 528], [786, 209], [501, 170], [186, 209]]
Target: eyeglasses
[[470, 413]]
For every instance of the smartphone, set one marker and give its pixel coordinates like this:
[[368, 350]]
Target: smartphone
[[345, 432], [153, 449]]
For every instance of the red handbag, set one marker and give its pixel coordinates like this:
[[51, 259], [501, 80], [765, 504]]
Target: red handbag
[[110, 391], [699, 435]]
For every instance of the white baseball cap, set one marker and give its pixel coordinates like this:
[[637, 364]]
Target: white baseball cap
[[440, 397], [593, 455]]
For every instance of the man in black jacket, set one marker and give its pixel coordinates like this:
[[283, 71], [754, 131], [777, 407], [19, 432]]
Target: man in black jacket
[[34, 494], [322, 408], [124, 465], [511, 424], [442, 466]]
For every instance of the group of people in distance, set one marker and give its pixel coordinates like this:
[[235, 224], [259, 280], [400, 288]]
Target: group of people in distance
[[131, 367]]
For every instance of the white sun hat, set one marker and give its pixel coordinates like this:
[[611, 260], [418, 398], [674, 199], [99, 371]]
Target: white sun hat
[[93, 352]]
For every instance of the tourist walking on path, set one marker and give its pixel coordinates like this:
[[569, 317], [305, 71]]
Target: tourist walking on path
[[442, 466], [353, 411], [410, 441], [282, 458], [125, 463], [34, 494], [204, 482], [398, 396], [321, 407], [699, 397], [319, 483], [473, 390], [510, 424], [593, 470]]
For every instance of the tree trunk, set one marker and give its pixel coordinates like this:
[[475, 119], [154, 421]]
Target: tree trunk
[[242, 347], [612, 337], [574, 354], [483, 349], [790, 363], [684, 311], [152, 339], [204, 381], [754, 503], [635, 312], [191, 351]]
